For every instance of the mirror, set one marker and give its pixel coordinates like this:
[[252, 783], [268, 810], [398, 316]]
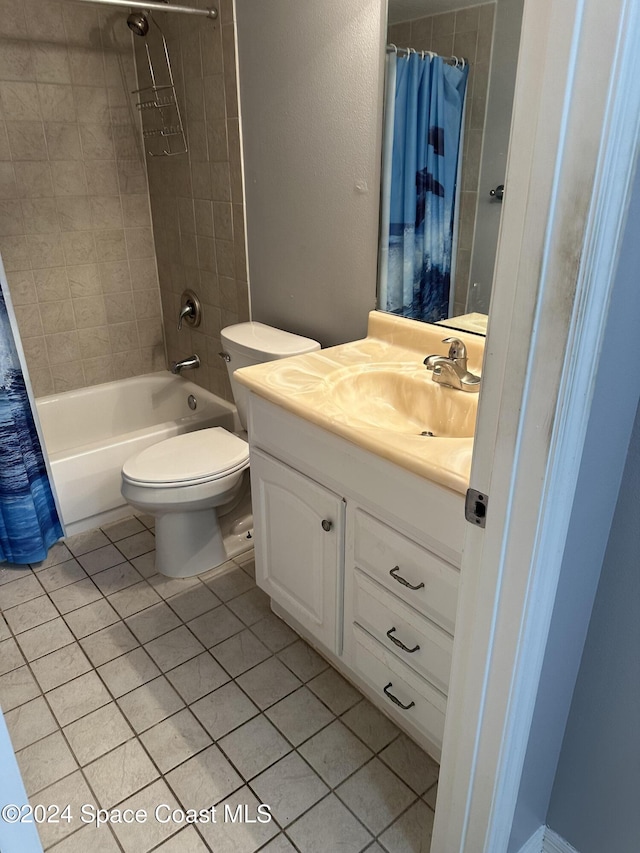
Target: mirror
[[487, 36]]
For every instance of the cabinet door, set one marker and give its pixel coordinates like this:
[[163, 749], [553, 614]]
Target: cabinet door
[[299, 542]]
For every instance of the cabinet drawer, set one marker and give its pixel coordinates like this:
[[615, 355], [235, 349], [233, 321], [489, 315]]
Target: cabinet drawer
[[417, 642], [397, 686], [411, 572]]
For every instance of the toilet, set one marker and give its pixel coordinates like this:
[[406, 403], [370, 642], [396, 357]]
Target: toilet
[[191, 480]]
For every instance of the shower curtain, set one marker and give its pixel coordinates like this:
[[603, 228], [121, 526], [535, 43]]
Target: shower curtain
[[423, 119], [29, 522]]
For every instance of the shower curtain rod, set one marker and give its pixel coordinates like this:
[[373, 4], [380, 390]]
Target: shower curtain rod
[[156, 7], [406, 51]]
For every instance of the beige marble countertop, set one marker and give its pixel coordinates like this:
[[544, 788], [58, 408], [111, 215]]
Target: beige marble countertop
[[305, 385]]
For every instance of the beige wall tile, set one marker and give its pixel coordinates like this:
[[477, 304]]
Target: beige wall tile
[[52, 285]]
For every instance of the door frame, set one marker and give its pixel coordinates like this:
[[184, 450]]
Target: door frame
[[574, 139]]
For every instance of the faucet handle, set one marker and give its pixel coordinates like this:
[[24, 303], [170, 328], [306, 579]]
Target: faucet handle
[[457, 350]]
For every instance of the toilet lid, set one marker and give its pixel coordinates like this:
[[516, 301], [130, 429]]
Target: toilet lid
[[193, 457]]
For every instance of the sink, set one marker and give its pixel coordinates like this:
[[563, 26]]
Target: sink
[[401, 398]]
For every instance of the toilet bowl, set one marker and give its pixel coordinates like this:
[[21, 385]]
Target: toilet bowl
[[189, 482]]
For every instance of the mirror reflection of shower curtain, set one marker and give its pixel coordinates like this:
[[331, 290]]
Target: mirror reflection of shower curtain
[[29, 522], [423, 120]]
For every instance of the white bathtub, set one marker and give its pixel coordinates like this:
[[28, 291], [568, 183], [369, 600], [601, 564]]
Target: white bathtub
[[90, 433]]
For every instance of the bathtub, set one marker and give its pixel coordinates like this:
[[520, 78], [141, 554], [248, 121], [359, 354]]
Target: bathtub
[[89, 433]]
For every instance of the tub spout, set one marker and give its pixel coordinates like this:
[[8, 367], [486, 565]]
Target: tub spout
[[185, 364]]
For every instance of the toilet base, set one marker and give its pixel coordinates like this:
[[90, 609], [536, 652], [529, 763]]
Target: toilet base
[[188, 543]]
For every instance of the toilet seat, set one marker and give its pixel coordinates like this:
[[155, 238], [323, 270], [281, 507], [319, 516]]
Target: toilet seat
[[192, 458]]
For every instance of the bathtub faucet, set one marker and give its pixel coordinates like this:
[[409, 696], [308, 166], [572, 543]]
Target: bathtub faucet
[[185, 364]]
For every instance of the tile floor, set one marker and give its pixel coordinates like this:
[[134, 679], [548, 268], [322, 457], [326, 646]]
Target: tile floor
[[123, 688]]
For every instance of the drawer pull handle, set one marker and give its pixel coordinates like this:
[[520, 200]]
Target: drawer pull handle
[[326, 525], [395, 699], [394, 574], [400, 644]]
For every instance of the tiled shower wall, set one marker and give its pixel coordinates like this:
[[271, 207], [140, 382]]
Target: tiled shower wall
[[75, 230], [467, 32], [196, 198]]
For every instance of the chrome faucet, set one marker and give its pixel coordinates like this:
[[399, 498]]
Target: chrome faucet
[[185, 364], [451, 370]]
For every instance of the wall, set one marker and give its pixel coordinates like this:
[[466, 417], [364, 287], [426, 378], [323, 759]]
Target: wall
[[596, 789], [466, 32], [311, 94], [75, 231], [502, 80], [594, 803], [196, 198]]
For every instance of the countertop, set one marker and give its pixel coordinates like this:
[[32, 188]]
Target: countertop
[[302, 384]]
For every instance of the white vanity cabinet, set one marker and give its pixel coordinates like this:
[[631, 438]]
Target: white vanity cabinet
[[362, 558], [299, 543]]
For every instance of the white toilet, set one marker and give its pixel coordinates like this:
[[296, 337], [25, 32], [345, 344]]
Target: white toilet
[[188, 480]]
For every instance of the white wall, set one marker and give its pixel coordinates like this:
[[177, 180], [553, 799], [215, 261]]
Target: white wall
[[603, 462], [310, 98], [594, 803]]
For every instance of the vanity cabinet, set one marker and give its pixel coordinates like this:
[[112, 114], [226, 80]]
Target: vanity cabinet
[[299, 543], [362, 558]]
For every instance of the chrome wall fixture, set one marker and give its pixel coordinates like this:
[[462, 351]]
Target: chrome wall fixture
[[153, 6]]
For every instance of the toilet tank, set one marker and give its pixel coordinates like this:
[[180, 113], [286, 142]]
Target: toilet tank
[[254, 343]]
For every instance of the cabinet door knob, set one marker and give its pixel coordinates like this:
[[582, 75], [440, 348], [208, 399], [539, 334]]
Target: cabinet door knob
[[395, 699], [394, 574], [326, 525]]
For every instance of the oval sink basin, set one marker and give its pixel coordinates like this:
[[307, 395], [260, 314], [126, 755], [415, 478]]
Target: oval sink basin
[[404, 399]]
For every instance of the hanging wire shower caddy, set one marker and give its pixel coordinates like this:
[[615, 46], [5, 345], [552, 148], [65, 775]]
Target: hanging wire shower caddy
[[162, 101]]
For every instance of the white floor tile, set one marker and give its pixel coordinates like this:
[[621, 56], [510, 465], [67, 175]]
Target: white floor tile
[[274, 633], [116, 578], [87, 620], [193, 602], [197, 677], [229, 836], [72, 790], [204, 779], [123, 528], [60, 666], [411, 833], [58, 553], [167, 587], [109, 643], [18, 591], [61, 575], [139, 543], [10, 656], [174, 648], [334, 691], [147, 705], [303, 660], [30, 722], [75, 595], [375, 795], [268, 682], [100, 559], [254, 746], [300, 715], [128, 672], [175, 739], [44, 762], [186, 841], [224, 710], [412, 765], [371, 725], [153, 622], [90, 540], [216, 626], [290, 787], [76, 698], [97, 733], [230, 583], [251, 606], [17, 687], [44, 639], [133, 599], [329, 826], [240, 652], [30, 614], [142, 837], [335, 753], [120, 773]]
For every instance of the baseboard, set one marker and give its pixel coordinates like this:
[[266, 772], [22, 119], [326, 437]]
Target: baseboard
[[545, 840], [534, 844], [554, 843]]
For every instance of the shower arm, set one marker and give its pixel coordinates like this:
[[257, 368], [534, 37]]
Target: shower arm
[[159, 7]]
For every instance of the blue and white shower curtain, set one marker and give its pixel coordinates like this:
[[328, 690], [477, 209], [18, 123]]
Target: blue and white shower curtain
[[29, 522], [423, 117]]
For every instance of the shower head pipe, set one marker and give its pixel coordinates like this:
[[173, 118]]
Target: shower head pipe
[[156, 7]]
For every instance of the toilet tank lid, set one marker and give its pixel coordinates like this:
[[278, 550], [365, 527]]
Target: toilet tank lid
[[253, 337]]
